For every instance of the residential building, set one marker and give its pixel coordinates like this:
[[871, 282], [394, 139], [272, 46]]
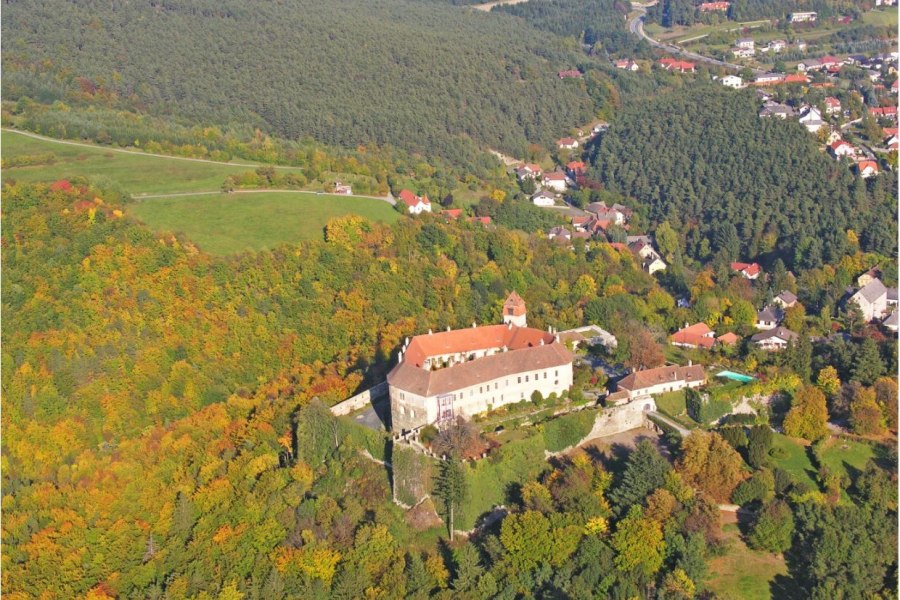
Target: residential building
[[832, 106], [768, 318], [802, 17], [774, 339], [884, 112], [728, 339], [559, 232], [567, 143], [343, 189], [871, 299], [776, 110], [776, 46], [543, 198], [785, 299], [732, 81], [811, 118], [698, 335], [890, 323], [768, 79], [714, 6], [671, 64], [660, 380], [739, 52], [748, 270], [745, 43], [415, 204], [867, 168], [840, 148], [627, 64], [555, 181]]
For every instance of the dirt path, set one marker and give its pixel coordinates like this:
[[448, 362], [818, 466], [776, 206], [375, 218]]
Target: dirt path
[[489, 5], [389, 199]]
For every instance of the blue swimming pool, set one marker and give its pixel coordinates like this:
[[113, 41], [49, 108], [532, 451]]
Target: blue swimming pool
[[735, 376]]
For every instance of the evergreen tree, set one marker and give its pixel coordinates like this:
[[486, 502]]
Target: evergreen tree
[[645, 470], [868, 366]]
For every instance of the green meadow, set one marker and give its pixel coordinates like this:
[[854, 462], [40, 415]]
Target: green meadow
[[229, 223]]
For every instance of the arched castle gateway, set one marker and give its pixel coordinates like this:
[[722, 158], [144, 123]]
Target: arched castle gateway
[[468, 371]]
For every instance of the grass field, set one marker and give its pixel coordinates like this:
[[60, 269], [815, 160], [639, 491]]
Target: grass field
[[229, 223], [796, 461], [846, 456], [744, 574], [881, 16], [134, 173], [672, 403]]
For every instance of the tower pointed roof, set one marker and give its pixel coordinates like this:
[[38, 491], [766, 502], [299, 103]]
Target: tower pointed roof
[[514, 299]]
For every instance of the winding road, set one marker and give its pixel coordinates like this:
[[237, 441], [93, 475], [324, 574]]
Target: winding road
[[636, 25]]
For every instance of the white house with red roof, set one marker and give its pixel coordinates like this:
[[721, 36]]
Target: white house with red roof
[[867, 168], [884, 112], [415, 205], [841, 148], [698, 335], [567, 143], [555, 181], [832, 105], [748, 270], [627, 64]]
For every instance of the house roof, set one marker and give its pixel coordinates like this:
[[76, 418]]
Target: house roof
[[697, 334], [452, 213], [782, 333], [832, 101], [555, 176], [428, 383], [474, 338], [410, 199], [749, 269], [891, 320], [787, 297], [618, 245], [768, 314], [867, 164], [872, 291], [566, 141], [575, 165], [482, 220], [644, 379], [728, 339]]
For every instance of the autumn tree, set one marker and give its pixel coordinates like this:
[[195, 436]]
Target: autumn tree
[[526, 538], [866, 417], [886, 396], [708, 462], [828, 381], [795, 318], [808, 416], [644, 352]]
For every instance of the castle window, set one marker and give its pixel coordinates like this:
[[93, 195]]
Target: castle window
[[526, 379], [545, 374], [520, 379], [523, 395], [495, 385]]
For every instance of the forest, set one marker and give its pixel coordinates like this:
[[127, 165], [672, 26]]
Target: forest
[[684, 12], [600, 25], [737, 186], [423, 77]]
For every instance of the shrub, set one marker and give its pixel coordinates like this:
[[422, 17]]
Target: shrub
[[778, 453], [705, 409], [734, 436], [759, 487], [427, 434]]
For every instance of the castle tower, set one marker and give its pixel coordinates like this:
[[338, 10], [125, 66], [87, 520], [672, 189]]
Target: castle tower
[[514, 310]]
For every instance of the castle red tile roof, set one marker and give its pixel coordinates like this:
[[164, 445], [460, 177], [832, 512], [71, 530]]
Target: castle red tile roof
[[524, 353]]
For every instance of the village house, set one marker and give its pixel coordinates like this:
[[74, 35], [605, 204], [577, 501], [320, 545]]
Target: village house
[[567, 143], [714, 6], [795, 78], [768, 318], [451, 214], [555, 180], [811, 118], [543, 198], [745, 43], [884, 112], [774, 339], [698, 335], [343, 189], [748, 270], [776, 110], [775, 46], [867, 168], [741, 52], [641, 384], [768, 79], [732, 81], [802, 17], [575, 169], [728, 339], [440, 376], [785, 299], [872, 300], [832, 106], [415, 204], [528, 171], [840, 148], [649, 258], [559, 232], [891, 322], [869, 276], [671, 64], [627, 64]]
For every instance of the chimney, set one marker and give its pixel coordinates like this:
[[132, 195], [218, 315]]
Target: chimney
[[509, 325], [690, 363], [448, 328], [473, 324], [557, 338], [400, 357], [542, 341], [429, 331]]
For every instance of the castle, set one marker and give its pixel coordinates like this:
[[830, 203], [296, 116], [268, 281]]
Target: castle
[[464, 372]]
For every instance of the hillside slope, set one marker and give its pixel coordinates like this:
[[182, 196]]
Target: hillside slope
[[421, 76]]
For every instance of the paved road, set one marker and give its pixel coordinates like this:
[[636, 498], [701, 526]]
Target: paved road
[[681, 430], [637, 28]]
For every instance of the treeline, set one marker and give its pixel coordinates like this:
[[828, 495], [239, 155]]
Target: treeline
[[736, 186], [599, 24], [686, 12], [426, 78]]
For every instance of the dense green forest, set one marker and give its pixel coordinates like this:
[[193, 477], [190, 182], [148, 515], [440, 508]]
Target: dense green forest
[[424, 77], [739, 186], [599, 24]]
